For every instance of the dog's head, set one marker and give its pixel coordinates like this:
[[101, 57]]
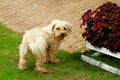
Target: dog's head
[[60, 29]]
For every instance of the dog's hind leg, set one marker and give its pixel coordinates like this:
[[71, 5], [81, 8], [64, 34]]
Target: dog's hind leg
[[38, 48], [23, 54], [40, 66], [40, 60]]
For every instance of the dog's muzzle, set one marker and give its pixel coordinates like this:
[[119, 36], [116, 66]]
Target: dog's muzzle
[[63, 34]]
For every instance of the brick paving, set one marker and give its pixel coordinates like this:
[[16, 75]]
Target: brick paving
[[21, 15]]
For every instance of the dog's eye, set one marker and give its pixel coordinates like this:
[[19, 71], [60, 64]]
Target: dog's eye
[[57, 28], [65, 28]]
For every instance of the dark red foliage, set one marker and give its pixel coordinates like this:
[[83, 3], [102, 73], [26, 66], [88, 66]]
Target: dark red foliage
[[103, 26]]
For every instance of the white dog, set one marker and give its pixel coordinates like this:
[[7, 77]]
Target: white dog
[[43, 43]]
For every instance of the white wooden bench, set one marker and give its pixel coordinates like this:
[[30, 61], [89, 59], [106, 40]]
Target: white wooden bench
[[99, 63]]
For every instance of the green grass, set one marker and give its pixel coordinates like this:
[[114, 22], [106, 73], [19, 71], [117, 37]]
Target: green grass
[[70, 68]]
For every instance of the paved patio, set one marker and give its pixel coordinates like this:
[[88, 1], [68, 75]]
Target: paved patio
[[21, 15]]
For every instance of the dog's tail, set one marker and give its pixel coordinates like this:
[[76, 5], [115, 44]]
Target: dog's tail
[[39, 46]]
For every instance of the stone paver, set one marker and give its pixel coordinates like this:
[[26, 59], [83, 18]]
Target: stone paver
[[21, 15]]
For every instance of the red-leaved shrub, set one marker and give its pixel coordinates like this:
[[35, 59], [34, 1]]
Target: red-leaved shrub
[[103, 26]]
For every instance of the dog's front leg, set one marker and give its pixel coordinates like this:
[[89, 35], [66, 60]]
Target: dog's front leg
[[47, 57], [52, 53]]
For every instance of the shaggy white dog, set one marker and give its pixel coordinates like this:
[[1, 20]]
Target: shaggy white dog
[[43, 43]]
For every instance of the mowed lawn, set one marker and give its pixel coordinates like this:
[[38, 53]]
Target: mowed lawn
[[71, 66]]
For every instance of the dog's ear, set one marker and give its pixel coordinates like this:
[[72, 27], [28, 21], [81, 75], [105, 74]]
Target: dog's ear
[[53, 27], [69, 26], [55, 21]]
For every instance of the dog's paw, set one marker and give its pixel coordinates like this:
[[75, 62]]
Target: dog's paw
[[47, 60], [55, 60], [42, 70], [22, 67]]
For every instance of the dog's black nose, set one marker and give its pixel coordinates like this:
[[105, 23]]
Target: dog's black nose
[[62, 34]]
